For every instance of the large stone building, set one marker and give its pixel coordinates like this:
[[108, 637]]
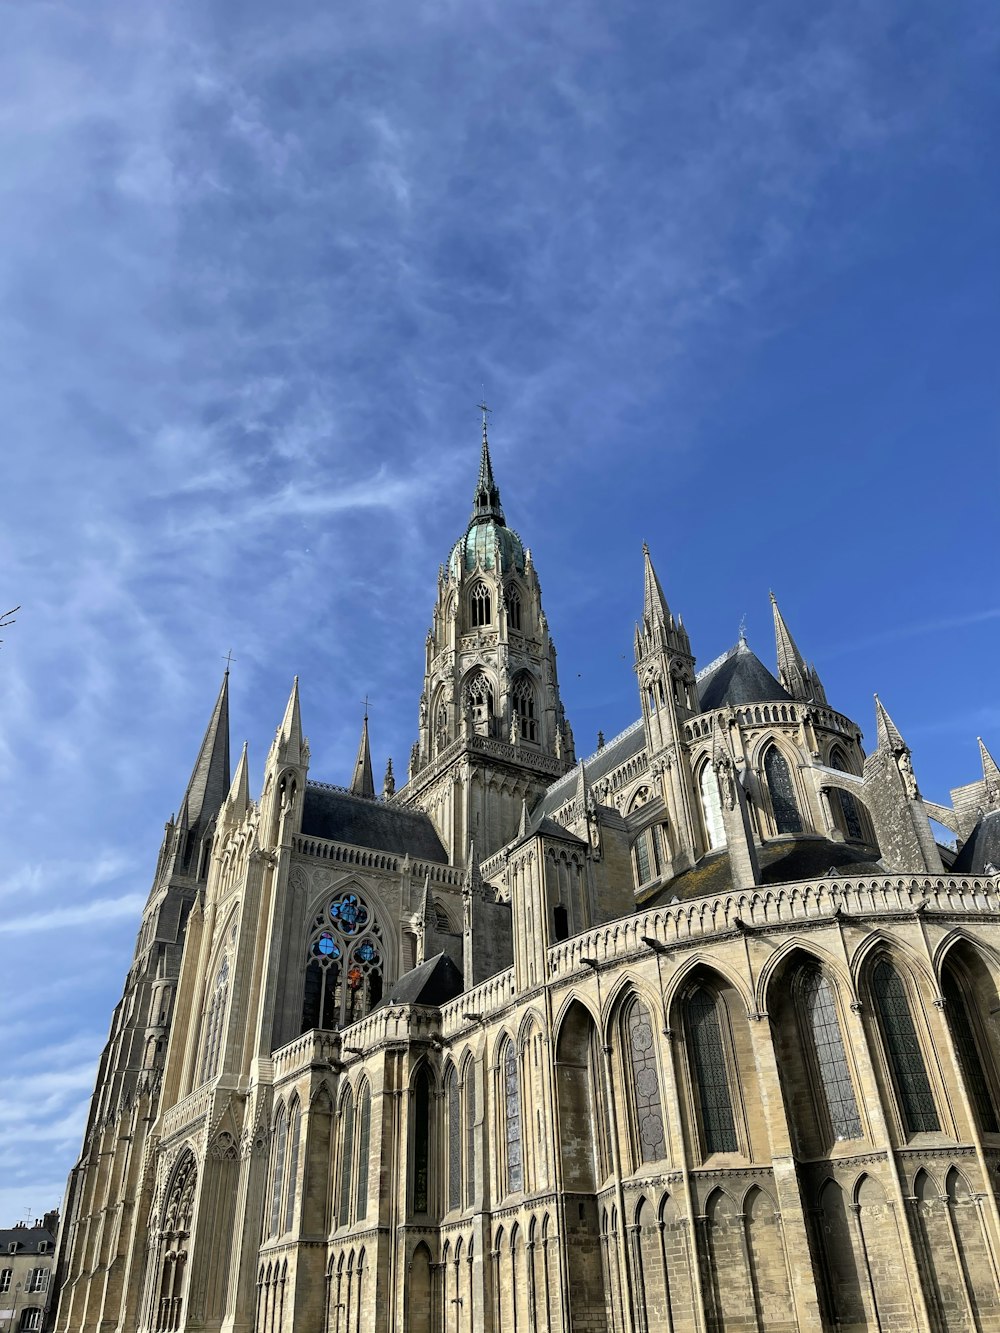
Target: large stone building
[[698, 1034]]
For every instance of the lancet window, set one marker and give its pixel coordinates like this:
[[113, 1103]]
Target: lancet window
[[902, 1048], [454, 1107], [967, 1048], [647, 855], [364, 1148], [344, 964], [346, 1157], [523, 698], [707, 1056], [512, 1121], [470, 1133], [480, 605], [280, 1137], [479, 696], [292, 1175], [421, 1140], [846, 805], [816, 1009], [214, 1023], [513, 607], [646, 1105], [177, 1217], [782, 792], [711, 809]]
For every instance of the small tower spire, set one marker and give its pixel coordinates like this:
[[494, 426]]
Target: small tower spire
[[363, 783], [289, 740], [887, 734], [654, 605], [238, 801], [209, 781], [991, 774], [793, 674], [486, 501]]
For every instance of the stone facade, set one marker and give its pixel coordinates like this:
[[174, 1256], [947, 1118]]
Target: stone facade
[[696, 1034], [27, 1293]]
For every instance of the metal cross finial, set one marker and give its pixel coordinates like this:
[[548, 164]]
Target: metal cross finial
[[229, 660], [366, 707], [484, 409]]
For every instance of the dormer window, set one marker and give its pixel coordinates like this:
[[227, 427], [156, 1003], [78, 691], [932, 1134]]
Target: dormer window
[[480, 604]]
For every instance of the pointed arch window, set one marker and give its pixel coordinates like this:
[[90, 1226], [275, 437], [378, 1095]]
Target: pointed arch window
[[346, 1157], [512, 1120], [280, 1136], [902, 1048], [214, 1022], [454, 1140], [470, 1133], [817, 1011], [523, 698], [480, 605], [646, 1103], [647, 856], [782, 792], [345, 964], [364, 1148], [479, 694], [294, 1131], [421, 1140], [846, 805], [513, 607], [711, 809], [707, 1055], [178, 1214], [967, 1049]]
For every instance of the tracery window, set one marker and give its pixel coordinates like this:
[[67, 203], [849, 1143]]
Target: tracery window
[[177, 1216], [711, 809], [364, 1147], [454, 1140], [967, 1049], [480, 605], [902, 1047], [817, 1012], [513, 608], [512, 1121], [214, 1022], [850, 819], [294, 1131], [782, 791], [344, 969], [421, 1140], [645, 1083], [523, 699], [708, 1068], [470, 1133], [479, 694], [346, 1157], [278, 1166]]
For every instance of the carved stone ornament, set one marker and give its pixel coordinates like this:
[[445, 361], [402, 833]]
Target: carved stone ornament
[[905, 766]]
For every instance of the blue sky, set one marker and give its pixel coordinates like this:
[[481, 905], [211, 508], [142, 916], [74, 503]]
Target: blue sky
[[728, 272]]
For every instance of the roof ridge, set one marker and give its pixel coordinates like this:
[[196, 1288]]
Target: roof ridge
[[723, 657]]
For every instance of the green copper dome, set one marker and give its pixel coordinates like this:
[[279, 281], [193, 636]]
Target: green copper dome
[[487, 530]]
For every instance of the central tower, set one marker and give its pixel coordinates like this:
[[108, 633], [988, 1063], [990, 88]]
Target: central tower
[[493, 732]]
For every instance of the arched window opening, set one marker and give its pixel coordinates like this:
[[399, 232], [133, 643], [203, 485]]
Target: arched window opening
[[480, 605], [652, 700], [560, 922], [214, 1023], [523, 700], [817, 1013], [479, 697], [280, 1136], [454, 1140], [346, 1157], [647, 1108], [470, 1133], [711, 809], [294, 1131], [782, 792], [647, 856], [846, 810], [513, 607], [967, 1048], [177, 1217], [512, 1120], [345, 962], [902, 1048], [708, 1069], [421, 1140], [364, 1148]]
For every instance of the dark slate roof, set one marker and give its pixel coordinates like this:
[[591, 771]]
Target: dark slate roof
[[330, 812], [436, 981], [26, 1238], [982, 847], [739, 677], [780, 863], [602, 761]]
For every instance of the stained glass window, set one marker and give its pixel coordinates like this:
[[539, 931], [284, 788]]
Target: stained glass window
[[294, 1126], [903, 1050], [851, 817], [278, 1173], [470, 1134], [645, 1084], [524, 706], [454, 1141], [364, 1146], [343, 980], [512, 1107], [779, 784], [819, 1010], [346, 1158], [349, 913], [214, 1022], [708, 1066], [421, 1140], [480, 605], [711, 808], [968, 1054]]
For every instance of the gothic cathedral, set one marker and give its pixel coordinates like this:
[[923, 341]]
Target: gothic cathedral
[[697, 1034]]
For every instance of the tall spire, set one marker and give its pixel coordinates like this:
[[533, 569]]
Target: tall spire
[[363, 783], [210, 776], [654, 607], [238, 801], [887, 734], [793, 674], [288, 741], [486, 501]]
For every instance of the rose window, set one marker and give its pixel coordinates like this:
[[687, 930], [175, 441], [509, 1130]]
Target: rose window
[[344, 964]]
